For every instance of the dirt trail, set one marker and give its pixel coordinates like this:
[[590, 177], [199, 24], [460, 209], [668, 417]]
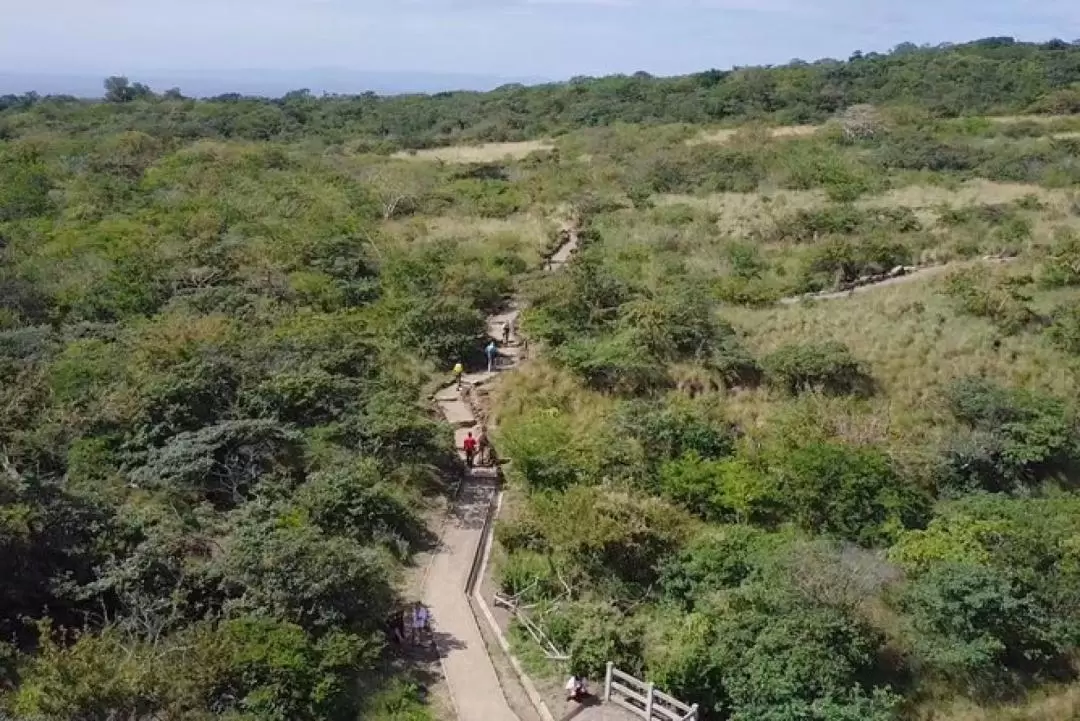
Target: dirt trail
[[470, 675], [917, 274]]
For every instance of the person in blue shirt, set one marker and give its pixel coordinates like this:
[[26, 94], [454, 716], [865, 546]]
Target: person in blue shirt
[[492, 351]]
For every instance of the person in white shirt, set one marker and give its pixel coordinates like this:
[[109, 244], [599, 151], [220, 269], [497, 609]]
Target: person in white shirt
[[576, 688]]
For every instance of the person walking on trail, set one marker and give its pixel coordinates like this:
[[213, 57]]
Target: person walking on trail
[[470, 449], [421, 623], [459, 373], [483, 447], [492, 352], [506, 333]]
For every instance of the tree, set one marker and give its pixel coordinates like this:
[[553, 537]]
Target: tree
[[828, 366], [118, 89], [848, 492], [400, 186], [975, 623], [224, 463]]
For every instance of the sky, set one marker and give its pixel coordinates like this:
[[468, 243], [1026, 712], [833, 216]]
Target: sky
[[553, 39]]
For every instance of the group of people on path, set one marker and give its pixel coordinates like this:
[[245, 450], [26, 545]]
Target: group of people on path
[[412, 625], [478, 450], [491, 352]]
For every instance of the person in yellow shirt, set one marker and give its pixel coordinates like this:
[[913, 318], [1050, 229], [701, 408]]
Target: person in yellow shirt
[[459, 373]]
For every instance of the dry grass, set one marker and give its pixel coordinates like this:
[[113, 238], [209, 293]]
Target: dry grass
[[1061, 704], [969, 193], [487, 153], [742, 214], [914, 344], [723, 135], [526, 234], [1031, 118]]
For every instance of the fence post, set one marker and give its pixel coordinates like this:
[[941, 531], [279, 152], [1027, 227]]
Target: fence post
[[649, 702], [607, 682]]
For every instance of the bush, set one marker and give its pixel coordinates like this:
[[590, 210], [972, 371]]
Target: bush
[[670, 428], [826, 366], [356, 503], [1062, 266], [542, 450], [617, 364], [813, 224], [1014, 439], [609, 536], [1028, 539], [721, 558], [1064, 328], [845, 260], [719, 490], [287, 569], [804, 662], [224, 463], [848, 492], [975, 624], [1004, 303]]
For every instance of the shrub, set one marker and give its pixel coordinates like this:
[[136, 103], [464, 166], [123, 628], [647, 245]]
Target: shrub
[[848, 492], [1062, 266], [670, 428], [719, 490], [287, 569], [798, 662], [828, 366], [617, 364], [722, 557], [1004, 303], [1064, 328], [542, 451], [611, 536], [975, 624], [1015, 438], [224, 463], [354, 502]]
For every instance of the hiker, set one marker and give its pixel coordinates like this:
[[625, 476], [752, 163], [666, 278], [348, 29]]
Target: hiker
[[483, 447], [492, 352], [421, 622], [506, 333], [470, 449], [396, 624], [576, 689], [459, 373]]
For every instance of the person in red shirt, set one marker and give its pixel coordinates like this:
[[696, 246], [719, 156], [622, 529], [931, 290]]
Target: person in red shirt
[[470, 449]]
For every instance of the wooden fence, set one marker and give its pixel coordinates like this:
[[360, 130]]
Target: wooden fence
[[642, 699]]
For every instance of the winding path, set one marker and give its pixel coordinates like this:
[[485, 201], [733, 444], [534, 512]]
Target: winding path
[[470, 675], [917, 274]]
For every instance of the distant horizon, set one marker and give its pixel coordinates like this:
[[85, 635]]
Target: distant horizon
[[332, 80], [552, 39], [260, 81]]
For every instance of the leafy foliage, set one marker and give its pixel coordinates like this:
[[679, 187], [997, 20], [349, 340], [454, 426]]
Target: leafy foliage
[[828, 366]]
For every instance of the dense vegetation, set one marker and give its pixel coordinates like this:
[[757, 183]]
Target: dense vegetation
[[991, 76], [218, 320]]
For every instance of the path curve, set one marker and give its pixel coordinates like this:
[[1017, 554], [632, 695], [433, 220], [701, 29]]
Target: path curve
[[917, 274], [470, 675]]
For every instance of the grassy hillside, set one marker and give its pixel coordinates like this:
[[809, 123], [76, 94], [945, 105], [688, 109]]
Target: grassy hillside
[[816, 506], [219, 320]]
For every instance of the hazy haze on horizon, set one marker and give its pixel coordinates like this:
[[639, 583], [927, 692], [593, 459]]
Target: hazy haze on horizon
[[512, 39]]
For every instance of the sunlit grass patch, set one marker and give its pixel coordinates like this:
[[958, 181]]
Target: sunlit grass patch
[[485, 153]]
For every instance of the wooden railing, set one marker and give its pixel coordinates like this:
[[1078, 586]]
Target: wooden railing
[[642, 699]]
